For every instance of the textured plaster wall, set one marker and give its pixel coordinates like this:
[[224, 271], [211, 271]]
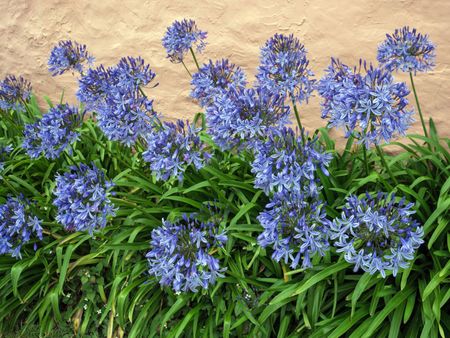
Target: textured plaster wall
[[347, 29]]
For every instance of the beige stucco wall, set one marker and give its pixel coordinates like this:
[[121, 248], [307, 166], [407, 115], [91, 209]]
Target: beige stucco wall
[[348, 29]]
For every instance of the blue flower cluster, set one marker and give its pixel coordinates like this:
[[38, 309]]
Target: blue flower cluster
[[284, 68], [82, 198], [53, 133], [296, 227], [370, 106], [241, 116], [181, 255], [14, 92], [172, 148], [180, 37], [408, 51], [376, 233], [17, 226], [216, 78], [124, 112], [68, 55], [4, 150], [284, 162]]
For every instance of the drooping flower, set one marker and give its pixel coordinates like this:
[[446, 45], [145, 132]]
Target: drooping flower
[[216, 78], [296, 228], [14, 92], [172, 148], [283, 162], [180, 37], [181, 254], [68, 55], [18, 226], [284, 68], [241, 116], [370, 105], [82, 199], [408, 51], [53, 133], [376, 233]]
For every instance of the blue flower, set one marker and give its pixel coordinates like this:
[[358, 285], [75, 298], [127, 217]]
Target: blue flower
[[296, 228], [180, 37], [172, 148], [68, 55], [408, 51], [53, 133], [18, 226], [14, 93], [370, 106], [284, 68], [216, 78], [82, 199], [376, 233], [181, 254], [242, 116], [283, 162]]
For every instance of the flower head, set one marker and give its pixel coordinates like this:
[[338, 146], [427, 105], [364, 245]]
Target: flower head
[[180, 37], [14, 91], [53, 133], [295, 226], [172, 148], [407, 50], [284, 68], [18, 226], [376, 233], [82, 199], [369, 105], [68, 55], [181, 255], [216, 78]]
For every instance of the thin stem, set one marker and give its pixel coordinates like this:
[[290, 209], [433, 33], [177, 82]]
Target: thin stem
[[383, 161], [418, 105], [366, 163], [297, 116], [182, 62], [195, 59]]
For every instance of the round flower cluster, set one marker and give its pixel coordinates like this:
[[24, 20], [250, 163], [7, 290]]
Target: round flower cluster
[[17, 226], [284, 68], [68, 55], [53, 133], [82, 199], [172, 148], [408, 51], [376, 233], [370, 106], [180, 37], [181, 255], [14, 92]]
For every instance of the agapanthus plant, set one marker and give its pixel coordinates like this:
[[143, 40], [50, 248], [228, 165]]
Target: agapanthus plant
[[172, 147], [296, 228], [182, 254], [82, 198], [14, 93], [181, 37], [365, 101], [18, 226], [214, 79], [69, 55], [284, 68], [377, 233], [407, 50], [284, 162], [55, 132]]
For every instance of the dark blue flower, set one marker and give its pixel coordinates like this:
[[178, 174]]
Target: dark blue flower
[[181, 254], [284, 68], [14, 93], [408, 51], [376, 233], [180, 37], [53, 133], [18, 226], [82, 199], [68, 55], [216, 78]]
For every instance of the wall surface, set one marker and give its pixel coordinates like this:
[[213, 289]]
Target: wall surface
[[346, 29]]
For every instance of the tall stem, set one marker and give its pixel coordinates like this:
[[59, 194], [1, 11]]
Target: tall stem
[[297, 116], [366, 163], [418, 104], [182, 62], [383, 161], [195, 59]]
